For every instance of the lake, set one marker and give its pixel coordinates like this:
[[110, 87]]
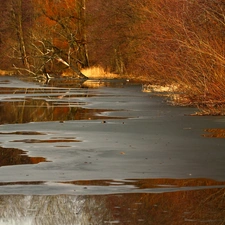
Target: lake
[[104, 152]]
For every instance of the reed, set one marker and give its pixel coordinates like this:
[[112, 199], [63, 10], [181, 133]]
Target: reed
[[97, 72]]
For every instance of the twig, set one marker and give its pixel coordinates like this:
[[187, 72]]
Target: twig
[[24, 69]]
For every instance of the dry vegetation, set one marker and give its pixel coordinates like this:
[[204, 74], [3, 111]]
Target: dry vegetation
[[163, 42], [97, 72], [6, 73], [168, 42]]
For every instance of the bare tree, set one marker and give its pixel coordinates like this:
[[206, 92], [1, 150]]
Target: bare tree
[[18, 20], [64, 39]]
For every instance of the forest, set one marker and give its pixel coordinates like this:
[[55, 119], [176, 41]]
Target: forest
[[165, 42]]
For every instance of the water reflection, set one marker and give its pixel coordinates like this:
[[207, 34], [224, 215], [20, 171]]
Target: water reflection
[[215, 133], [55, 140], [77, 83], [28, 104], [39, 111], [13, 156], [73, 83], [179, 208], [151, 183], [22, 133], [103, 83]]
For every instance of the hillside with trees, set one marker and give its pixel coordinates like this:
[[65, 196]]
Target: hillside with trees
[[158, 41]]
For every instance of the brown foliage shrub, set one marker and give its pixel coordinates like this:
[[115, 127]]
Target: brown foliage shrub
[[165, 42]]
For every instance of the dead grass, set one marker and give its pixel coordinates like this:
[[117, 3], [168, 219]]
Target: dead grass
[[6, 73], [159, 88], [97, 72]]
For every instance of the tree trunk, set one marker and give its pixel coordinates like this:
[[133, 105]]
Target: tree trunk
[[82, 32], [19, 30]]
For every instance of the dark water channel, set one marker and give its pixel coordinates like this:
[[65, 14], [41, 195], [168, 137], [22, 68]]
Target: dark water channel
[[104, 152]]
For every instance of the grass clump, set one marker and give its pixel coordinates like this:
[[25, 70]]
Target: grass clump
[[97, 72]]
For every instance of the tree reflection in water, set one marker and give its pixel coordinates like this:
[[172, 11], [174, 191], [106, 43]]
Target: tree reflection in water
[[61, 102], [178, 208], [14, 156], [49, 210]]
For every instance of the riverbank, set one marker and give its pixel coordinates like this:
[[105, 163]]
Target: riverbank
[[177, 93]]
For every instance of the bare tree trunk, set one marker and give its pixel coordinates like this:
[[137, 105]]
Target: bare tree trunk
[[17, 14], [82, 32]]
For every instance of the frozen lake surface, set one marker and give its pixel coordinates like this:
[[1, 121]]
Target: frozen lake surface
[[105, 138]]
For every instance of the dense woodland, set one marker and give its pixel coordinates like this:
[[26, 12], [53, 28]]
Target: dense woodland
[[161, 41]]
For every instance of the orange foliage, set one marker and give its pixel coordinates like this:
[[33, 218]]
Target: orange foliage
[[163, 41]]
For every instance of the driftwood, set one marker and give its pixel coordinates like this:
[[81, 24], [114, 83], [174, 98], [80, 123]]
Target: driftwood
[[49, 53], [79, 74], [42, 71]]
